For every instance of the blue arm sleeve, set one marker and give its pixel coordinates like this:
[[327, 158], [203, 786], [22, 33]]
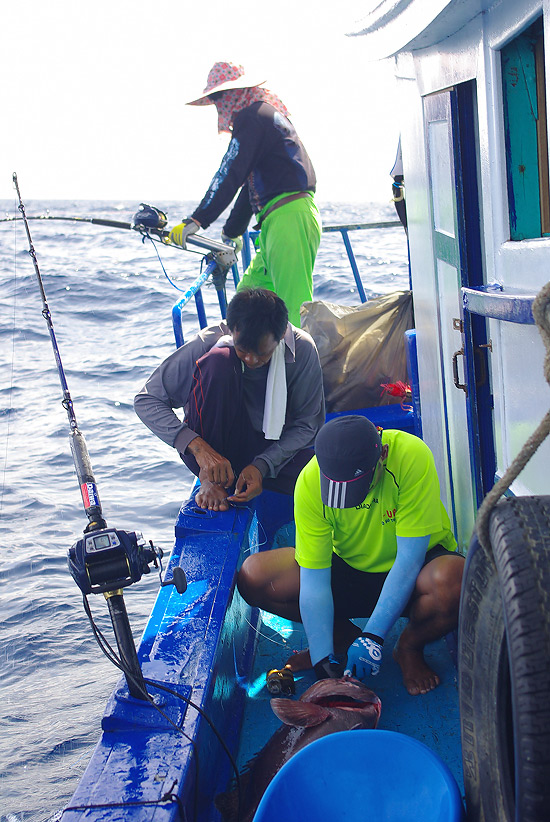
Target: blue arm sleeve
[[317, 611], [399, 584]]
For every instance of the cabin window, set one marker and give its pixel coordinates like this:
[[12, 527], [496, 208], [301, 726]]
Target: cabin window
[[443, 192], [526, 138]]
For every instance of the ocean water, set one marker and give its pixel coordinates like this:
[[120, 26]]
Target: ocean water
[[110, 303]]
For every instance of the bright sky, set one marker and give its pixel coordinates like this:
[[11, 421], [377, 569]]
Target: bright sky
[[93, 94]]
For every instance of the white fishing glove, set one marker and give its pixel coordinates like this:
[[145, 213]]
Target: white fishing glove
[[236, 242]]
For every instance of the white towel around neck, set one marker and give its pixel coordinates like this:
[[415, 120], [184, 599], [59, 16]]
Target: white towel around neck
[[275, 395]]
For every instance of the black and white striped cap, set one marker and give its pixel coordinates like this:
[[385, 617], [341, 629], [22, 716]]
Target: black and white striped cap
[[347, 449]]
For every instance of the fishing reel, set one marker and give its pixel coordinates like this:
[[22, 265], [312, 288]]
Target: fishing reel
[[280, 681], [109, 559], [148, 217]]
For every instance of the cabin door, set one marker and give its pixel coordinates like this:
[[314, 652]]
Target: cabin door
[[451, 147]]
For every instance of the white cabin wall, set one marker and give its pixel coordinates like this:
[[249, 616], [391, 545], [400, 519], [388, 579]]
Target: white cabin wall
[[521, 395], [422, 260], [436, 69]]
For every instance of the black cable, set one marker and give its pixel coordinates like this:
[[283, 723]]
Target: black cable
[[113, 657], [169, 796], [214, 729]]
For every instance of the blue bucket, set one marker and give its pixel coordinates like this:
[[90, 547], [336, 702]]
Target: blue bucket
[[363, 775]]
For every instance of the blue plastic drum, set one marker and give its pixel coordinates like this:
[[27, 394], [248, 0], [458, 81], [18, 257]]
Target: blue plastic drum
[[363, 775]]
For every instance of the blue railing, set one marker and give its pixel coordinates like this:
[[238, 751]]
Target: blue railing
[[249, 238], [344, 231], [194, 290]]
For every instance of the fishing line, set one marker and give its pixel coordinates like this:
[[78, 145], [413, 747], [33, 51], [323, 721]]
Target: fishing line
[[172, 283], [240, 507], [169, 796], [264, 636]]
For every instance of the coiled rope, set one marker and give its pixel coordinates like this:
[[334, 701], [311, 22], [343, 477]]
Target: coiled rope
[[541, 314]]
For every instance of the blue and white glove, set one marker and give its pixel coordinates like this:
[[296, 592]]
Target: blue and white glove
[[181, 232], [236, 242], [364, 657]]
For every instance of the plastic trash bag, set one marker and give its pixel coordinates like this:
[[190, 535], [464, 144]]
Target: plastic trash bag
[[360, 348]]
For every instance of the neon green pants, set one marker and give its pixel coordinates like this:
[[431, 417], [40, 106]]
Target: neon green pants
[[288, 244]]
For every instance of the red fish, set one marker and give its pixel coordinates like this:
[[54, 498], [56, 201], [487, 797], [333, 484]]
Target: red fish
[[330, 705]]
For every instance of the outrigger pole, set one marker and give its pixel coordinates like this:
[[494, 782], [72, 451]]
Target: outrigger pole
[[106, 559]]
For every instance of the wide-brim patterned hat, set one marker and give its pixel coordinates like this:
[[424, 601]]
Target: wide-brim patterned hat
[[224, 76]]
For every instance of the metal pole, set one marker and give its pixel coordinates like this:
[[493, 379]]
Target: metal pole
[[125, 643]]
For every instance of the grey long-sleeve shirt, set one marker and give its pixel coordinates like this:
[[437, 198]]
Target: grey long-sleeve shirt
[[170, 384]]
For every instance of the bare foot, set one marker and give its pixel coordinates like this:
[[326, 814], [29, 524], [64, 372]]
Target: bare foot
[[299, 661], [418, 678], [212, 496]]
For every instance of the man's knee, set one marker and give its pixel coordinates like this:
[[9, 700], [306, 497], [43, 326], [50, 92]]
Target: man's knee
[[269, 575], [215, 395], [250, 580], [446, 581]]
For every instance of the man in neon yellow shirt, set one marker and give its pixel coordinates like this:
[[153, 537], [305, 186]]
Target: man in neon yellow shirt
[[372, 540]]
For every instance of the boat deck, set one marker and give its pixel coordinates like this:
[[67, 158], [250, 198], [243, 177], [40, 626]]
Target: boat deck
[[432, 719]]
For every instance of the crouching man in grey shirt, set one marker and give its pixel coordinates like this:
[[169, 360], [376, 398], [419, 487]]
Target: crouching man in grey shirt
[[252, 393]]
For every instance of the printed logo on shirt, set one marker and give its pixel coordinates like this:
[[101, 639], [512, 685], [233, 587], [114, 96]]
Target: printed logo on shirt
[[221, 173], [390, 517], [367, 505]]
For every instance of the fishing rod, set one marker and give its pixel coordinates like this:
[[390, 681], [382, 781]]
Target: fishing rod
[[150, 222], [105, 560]]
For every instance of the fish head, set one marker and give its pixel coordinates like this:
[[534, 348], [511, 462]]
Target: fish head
[[345, 698]]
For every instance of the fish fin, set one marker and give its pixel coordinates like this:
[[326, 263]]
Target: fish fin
[[299, 714]]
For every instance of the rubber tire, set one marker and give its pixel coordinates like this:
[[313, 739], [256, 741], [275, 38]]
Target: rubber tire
[[504, 666]]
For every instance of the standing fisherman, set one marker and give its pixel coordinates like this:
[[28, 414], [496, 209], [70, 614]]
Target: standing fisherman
[[268, 163]]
